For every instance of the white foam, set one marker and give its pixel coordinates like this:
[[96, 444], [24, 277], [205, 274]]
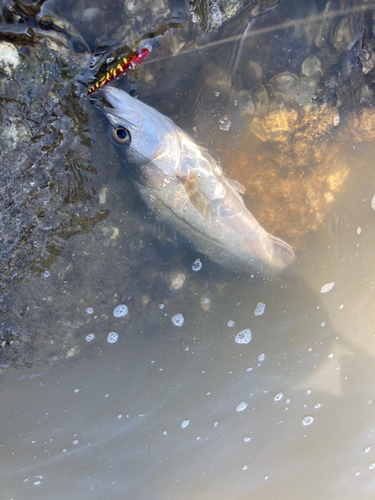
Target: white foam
[[327, 287], [243, 337], [242, 406], [178, 319], [112, 337], [197, 265], [120, 311], [308, 420], [259, 309]]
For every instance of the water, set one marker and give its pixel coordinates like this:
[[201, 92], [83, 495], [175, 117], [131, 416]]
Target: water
[[123, 370]]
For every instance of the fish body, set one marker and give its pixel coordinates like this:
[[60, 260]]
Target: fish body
[[187, 190]]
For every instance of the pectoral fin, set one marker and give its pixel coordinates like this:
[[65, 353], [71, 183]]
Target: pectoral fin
[[240, 188], [196, 195]]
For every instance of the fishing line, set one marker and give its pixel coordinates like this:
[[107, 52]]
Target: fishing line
[[297, 23]]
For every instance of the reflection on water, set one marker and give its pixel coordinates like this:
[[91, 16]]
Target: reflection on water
[[135, 369]]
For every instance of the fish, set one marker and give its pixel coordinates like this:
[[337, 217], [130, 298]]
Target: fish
[[125, 65], [186, 189]]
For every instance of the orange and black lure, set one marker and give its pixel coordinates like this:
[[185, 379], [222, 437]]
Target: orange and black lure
[[125, 65]]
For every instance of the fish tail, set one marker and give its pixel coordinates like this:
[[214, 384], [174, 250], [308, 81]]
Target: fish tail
[[282, 251]]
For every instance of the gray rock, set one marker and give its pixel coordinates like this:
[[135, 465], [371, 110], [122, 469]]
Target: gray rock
[[289, 88], [347, 32], [312, 67], [261, 100], [323, 27]]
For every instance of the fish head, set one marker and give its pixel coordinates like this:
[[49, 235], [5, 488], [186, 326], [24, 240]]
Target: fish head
[[145, 135]]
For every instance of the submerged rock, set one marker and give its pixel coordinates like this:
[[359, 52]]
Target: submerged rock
[[291, 88], [312, 67]]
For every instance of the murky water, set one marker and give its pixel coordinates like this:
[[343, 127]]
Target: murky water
[[132, 366]]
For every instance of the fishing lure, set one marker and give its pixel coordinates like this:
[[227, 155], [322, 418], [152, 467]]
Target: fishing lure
[[125, 65]]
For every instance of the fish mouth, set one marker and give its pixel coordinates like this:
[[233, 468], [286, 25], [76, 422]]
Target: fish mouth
[[120, 106]]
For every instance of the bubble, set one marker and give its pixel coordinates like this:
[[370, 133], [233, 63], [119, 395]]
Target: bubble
[[373, 202], [75, 441], [245, 467], [242, 406], [371, 466], [336, 119], [330, 355], [119, 416], [197, 265], [243, 337], [165, 433], [308, 391], [359, 230], [178, 319], [215, 424], [37, 483], [161, 306], [259, 309], [261, 357], [205, 303], [327, 287], [307, 420], [89, 310], [322, 324], [217, 93], [317, 405], [90, 337], [112, 337], [46, 274], [76, 390], [247, 439], [278, 396], [120, 311], [185, 423], [230, 323], [367, 449], [225, 124]]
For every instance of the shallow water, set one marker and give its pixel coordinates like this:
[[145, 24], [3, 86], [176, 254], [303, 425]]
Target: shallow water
[[191, 409]]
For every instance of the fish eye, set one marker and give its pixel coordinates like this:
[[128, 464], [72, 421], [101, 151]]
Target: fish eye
[[121, 135]]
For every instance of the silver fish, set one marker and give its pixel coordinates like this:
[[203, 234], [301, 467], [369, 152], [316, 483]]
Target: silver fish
[[186, 188]]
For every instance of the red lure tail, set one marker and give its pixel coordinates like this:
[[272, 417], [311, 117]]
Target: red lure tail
[[125, 65]]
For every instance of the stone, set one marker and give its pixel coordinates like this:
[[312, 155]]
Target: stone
[[312, 67], [290, 88], [9, 58]]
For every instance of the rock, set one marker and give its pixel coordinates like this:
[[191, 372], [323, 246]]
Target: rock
[[328, 57], [255, 71], [322, 27], [143, 9], [9, 58], [362, 125], [289, 88], [347, 33], [261, 100], [312, 67]]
